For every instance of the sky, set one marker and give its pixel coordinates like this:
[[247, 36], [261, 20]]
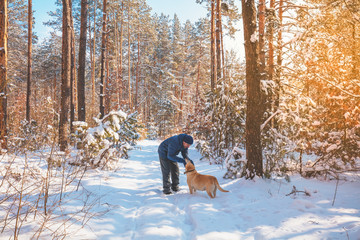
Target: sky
[[185, 10], [41, 9]]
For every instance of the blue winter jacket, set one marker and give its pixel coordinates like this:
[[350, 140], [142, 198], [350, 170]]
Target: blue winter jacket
[[171, 147]]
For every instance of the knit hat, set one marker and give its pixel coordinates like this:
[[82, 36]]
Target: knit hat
[[188, 139]]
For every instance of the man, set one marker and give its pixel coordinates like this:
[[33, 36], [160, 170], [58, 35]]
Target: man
[[168, 151]]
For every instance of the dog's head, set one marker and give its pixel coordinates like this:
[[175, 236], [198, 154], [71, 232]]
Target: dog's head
[[189, 166]]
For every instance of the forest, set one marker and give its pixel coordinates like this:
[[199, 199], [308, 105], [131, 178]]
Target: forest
[[297, 93]]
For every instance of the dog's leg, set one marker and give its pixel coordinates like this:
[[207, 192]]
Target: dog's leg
[[190, 189], [208, 190]]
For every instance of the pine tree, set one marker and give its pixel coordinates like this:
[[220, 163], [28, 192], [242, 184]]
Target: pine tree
[[103, 59], [29, 70], [177, 54], [64, 125], [3, 74], [253, 95], [82, 56], [225, 115]]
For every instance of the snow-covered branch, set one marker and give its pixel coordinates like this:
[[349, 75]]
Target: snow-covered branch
[[344, 91]]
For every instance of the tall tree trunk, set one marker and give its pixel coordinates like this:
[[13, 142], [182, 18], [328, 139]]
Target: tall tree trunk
[[116, 55], [197, 92], [82, 56], [146, 101], [137, 73], [92, 54], [253, 114], [265, 98], [212, 50], [181, 107], [271, 40], [222, 49], [120, 83], [29, 73], [103, 56], [279, 58], [55, 100], [218, 39], [129, 60], [3, 73], [73, 82], [108, 82], [65, 76], [271, 55], [261, 8]]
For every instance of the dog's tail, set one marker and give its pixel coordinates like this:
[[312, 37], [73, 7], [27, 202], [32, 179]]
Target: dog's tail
[[218, 186]]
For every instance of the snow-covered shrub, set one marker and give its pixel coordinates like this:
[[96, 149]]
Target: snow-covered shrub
[[30, 137], [110, 139], [278, 152], [338, 153], [235, 163], [282, 137]]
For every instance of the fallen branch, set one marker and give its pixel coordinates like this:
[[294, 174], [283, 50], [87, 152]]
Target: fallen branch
[[294, 191]]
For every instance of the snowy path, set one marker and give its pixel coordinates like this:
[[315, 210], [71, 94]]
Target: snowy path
[[252, 210]]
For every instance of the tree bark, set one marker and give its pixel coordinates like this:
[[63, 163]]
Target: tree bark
[[212, 50], [103, 56], [116, 55], [73, 81], [265, 95], [279, 59], [253, 114], [120, 83], [271, 43], [108, 82], [82, 56], [92, 54], [137, 72], [218, 39], [29, 73], [271, 56], [129, 60], [3, 73], [64, 125], [262, 38]]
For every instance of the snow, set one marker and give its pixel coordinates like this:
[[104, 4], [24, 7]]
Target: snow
[[332, 148], [254, 37], [135, 208]]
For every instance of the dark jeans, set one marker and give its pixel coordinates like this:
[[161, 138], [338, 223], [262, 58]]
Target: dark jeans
[[169, 168]]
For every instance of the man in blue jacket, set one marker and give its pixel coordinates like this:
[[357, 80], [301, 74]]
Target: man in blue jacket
[[168, 151]]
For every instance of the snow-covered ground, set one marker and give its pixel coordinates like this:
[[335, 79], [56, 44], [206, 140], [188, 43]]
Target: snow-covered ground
[[135, 207]]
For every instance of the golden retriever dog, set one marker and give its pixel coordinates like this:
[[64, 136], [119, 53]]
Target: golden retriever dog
[[197, 181]]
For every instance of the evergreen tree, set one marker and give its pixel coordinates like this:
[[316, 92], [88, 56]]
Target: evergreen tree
[[225, 115], [162, 102]]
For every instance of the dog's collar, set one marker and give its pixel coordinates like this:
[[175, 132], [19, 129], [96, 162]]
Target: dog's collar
[[189, 171]]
